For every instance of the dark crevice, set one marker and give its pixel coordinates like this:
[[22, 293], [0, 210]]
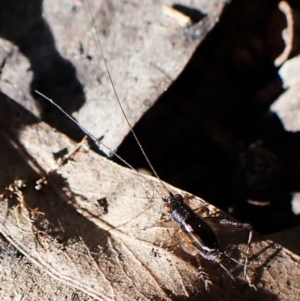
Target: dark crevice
[[213, 133]]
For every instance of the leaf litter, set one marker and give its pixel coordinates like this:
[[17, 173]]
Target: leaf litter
[[118, 255]]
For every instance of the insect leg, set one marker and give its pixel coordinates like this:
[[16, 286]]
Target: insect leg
[[202, 273], [165, 224], [215, 257], [201, 210], [189, 248], [239, 226]]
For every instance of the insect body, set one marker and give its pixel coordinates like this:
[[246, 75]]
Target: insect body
[[191, 223], [200, 239]]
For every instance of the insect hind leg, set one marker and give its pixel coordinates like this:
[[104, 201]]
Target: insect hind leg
[[236, 227], [203, 275], [216, 257]]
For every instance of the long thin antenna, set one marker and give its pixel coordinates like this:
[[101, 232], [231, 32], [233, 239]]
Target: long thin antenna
[[117, 97], [97, 141]]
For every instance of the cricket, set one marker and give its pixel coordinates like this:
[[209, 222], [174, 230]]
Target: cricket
[[197, 234]]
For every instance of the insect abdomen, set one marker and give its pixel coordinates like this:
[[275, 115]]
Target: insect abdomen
[[198, 230], [201, 229]]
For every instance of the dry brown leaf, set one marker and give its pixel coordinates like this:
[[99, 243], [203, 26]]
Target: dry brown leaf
[[22, 280], [145, 50], [119, 255]]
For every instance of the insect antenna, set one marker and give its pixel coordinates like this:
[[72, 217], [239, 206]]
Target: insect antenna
[[97, 141], [120, 104]]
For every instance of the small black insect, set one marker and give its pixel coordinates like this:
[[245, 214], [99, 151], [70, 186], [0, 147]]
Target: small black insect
[[199, 238]]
